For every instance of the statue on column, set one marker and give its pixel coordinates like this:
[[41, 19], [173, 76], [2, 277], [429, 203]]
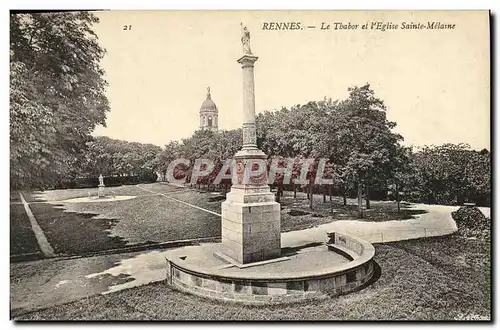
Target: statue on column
[[245, 40], [101, 180]]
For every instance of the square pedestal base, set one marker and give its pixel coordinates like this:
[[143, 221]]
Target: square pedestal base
[[251, 227], [100, 192]]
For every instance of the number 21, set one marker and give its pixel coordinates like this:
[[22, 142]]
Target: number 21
[[127, 27]]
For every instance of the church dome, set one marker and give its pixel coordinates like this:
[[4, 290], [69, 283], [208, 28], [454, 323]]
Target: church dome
[[208, 104]]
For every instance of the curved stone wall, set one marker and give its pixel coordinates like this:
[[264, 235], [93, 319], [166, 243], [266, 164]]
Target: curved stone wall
[[282, 288]]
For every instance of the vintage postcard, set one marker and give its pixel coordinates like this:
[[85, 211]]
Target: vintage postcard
[[250, 165]]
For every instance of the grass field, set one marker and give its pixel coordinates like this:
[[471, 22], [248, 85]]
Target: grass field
[[331, 211], [206, 200], [442, 278], [76, 228], [159, 187], [63, 194], [75, 233], [22, 238], [154, 218]]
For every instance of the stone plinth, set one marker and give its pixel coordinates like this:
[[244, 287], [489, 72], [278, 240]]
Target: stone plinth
[[251, 230], [100, 191]]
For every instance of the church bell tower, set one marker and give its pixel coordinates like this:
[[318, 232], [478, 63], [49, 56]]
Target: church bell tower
[[209, 114]]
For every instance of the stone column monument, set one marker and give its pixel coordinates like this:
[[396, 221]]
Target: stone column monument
[[251, 229]]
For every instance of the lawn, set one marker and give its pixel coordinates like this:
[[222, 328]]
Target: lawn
[[295, 212], [154, 218], [22, 238], [163, 188], [442, 278], [207, 200], [151, 218], [124, 190], [76, 228], [63, 194], [296, 215], [74, 233]]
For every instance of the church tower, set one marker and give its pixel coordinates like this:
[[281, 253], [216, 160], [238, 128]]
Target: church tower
[[209, 114]]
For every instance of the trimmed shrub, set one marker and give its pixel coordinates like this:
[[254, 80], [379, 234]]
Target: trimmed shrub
[[471, 222], [148, 176]]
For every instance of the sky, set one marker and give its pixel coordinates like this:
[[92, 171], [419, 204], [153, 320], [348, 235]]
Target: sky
[[435, 83]]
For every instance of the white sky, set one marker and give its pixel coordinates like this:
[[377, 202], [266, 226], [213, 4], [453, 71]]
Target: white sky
[[434, 83]]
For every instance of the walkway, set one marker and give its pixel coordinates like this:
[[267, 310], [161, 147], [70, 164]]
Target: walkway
[[43, 243], [436, 222]]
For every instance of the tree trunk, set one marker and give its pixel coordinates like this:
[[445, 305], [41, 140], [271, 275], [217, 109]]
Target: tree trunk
[[344, 195], [330, 191], [397, 197], [294, 190], [367, 197], [311, 195], [278, 193], [324, 194], [360, 200]]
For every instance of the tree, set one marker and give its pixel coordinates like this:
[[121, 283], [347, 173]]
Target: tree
[[450, 174], [293, 134], [166, 156], [108, 157], [31, 130], [402, 173], [368, 145], [57, 94]]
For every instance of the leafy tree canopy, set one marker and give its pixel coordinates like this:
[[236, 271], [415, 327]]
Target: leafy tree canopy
[[56, 94]]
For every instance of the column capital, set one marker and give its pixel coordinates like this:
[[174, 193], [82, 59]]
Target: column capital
[[247, 60]]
